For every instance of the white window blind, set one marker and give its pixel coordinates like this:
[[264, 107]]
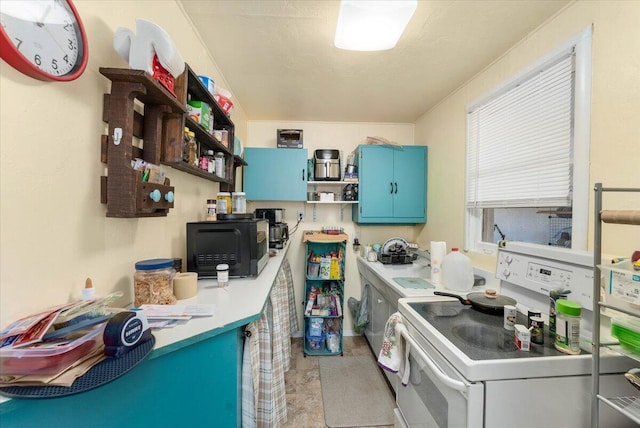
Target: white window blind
[[519, 150]]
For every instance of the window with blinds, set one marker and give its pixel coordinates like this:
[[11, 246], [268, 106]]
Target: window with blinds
[[527, 153], [520, 143]]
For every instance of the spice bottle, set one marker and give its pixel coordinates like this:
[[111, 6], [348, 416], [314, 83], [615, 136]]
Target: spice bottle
[[211, 210], [204, 162], [222, 272], [193, 148], [224, 202], [568, 326], [220, 165], [185, 150], [238, 203], [212, 164], [153, 282]]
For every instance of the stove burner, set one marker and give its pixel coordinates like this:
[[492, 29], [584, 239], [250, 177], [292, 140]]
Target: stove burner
[[484, 337]]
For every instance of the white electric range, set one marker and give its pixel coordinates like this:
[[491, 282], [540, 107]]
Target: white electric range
[[467, 372]]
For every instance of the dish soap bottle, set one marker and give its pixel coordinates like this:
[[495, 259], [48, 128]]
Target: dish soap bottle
[[457, 272]]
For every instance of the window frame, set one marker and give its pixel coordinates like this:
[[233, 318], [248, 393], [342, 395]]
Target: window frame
[[581, 44]]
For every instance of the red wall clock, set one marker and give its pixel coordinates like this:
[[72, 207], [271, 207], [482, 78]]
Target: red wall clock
[[44, 39]]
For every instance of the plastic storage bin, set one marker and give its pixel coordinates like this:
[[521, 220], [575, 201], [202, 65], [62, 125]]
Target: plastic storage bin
[[627, 331], [51, 356], [621, 284]]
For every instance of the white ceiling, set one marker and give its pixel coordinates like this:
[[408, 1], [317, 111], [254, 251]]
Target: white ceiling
[[279, 59]]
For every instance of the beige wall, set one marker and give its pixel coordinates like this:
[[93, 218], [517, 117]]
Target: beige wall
[[615, 137], [53, 229], [330, 135]]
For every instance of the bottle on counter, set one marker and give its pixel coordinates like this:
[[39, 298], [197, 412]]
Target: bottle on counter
[[457, 272], [224, 202], [211, 214], [238, 203], [88, 292], [568, 326], [153, 282], [222, 272], [554, 295]]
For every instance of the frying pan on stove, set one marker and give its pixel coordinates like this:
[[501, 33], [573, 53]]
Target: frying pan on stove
[[487, 301]]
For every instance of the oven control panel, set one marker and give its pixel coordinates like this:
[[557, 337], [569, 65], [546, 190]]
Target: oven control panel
[[544, 274], [543, 269]]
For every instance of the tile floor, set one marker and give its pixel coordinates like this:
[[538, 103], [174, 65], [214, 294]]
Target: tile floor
[[304, 393]]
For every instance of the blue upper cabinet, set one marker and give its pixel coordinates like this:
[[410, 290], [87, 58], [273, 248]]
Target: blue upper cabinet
[[393, 185], [275, 174]]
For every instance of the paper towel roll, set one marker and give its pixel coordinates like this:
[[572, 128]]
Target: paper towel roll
[[185, 285], [438, 250]]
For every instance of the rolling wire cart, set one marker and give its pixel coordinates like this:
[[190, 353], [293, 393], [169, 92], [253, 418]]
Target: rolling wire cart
[[324, 292], [628, 406]]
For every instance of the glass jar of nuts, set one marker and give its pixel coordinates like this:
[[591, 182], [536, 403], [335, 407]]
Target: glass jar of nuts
[[153, 282]]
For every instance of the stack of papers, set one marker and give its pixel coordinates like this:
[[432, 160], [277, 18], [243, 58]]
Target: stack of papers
[[162, 316]]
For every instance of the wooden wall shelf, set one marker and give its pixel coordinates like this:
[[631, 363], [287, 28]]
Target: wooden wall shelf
[[161, 127], [123, 190], [188, 86]]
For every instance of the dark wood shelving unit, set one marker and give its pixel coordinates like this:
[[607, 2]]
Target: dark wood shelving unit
[[123, 190], [189, 87], [161, 127]]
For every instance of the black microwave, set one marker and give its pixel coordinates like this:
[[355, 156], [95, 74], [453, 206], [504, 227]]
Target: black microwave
[[242, 244]]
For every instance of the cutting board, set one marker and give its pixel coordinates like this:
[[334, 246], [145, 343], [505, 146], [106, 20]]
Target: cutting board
[[413, 282]]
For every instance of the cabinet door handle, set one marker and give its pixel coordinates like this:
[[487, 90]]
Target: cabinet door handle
[[396, 183], [391, 184], [302, 174]]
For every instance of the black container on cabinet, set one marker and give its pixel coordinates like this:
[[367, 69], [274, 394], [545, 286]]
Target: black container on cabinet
[[289, 138]]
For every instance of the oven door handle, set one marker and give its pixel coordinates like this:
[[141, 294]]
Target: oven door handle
[[451, 383]]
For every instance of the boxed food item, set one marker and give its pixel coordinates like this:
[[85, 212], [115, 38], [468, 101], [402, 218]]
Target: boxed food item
[[522, 337], [621, 284], [327, 197], [51, 356], [315, 343], [200, 112], [208, 83], [627, 331]]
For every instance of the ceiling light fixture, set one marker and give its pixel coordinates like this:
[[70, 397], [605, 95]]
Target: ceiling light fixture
[[376, 25]]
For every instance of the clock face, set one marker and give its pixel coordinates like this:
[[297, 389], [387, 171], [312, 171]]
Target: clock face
[[44, 38]]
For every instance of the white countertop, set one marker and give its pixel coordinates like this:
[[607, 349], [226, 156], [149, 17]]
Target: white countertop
[[238, 304], [420, 268]]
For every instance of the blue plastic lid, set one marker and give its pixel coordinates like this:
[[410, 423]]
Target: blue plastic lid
[[153, 264]]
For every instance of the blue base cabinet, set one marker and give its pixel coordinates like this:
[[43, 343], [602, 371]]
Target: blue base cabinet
[[393, 185], [195, 386], [275, 174]]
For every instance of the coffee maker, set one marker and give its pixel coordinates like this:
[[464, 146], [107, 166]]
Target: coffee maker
[[278, 230]]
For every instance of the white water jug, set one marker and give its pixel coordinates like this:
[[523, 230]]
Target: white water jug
[[457, 272]]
